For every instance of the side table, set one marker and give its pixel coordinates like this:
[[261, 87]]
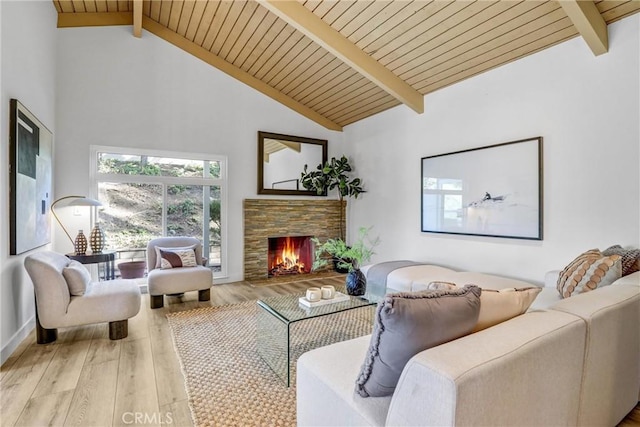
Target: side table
[[106, 257]]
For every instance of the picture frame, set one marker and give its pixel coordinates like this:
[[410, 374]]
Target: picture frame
[[492, 191], [281, 160], [30, 177]]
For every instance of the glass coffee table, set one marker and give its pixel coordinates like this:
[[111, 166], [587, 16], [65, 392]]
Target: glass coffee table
[[287, 329]]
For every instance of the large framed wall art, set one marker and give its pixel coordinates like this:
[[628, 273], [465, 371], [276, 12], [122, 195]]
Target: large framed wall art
[[491, 191], [30, 155]]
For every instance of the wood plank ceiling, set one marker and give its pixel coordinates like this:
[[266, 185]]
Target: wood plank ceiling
[[417, 46]]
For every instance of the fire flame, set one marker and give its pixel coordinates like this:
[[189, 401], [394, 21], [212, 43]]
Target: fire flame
[[289, 257]]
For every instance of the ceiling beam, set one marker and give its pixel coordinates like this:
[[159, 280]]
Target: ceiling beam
[[93, 19], [586, 17], [137, 18], [312, 26], [235, 72]]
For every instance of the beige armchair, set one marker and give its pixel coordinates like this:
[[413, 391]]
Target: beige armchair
[[167, 276], [66, 296]]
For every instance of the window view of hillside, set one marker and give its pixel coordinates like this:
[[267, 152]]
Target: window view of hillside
[[150, 197]]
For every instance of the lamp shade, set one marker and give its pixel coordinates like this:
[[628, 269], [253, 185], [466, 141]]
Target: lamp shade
[[82, 201]]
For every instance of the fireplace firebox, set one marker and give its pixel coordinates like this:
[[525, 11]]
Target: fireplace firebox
[[290, 255]]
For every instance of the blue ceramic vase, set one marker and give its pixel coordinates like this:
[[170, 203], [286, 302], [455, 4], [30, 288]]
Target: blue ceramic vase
[[356, 283]]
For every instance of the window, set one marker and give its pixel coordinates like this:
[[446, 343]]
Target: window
[[148, 194]]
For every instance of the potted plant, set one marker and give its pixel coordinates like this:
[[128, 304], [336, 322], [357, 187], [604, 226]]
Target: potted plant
[[349, 257], [334, 174]]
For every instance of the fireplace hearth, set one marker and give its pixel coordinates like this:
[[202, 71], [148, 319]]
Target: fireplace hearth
[[290, 255]]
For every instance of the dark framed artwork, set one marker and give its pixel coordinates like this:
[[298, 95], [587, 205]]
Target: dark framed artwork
[[491, 191], [30, 155]]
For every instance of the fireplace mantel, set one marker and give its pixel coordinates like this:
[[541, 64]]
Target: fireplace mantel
[[264, 218]]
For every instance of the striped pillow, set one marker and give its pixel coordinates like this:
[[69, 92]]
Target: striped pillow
[[587, 272]]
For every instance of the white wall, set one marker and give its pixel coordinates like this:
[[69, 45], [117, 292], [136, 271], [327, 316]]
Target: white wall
[[118, 90], [28, 44], [586, 108]]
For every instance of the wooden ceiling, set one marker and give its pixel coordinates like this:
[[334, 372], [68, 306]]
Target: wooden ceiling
[[339, 61]]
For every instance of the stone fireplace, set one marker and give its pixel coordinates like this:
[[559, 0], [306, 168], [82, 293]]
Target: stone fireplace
[[266, 219]]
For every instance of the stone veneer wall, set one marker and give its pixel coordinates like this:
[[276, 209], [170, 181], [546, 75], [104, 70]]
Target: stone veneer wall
[[264, 218]]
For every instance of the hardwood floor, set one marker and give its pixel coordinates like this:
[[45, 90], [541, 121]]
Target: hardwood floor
[[85, 379]]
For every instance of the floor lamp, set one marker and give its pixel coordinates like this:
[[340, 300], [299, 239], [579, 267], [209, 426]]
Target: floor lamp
[[77, 201]]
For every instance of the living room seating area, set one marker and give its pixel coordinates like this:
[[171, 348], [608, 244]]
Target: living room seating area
[[571, 362], [486, 146]]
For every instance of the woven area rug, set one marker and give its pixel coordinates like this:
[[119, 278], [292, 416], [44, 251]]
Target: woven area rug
[[227, 382]]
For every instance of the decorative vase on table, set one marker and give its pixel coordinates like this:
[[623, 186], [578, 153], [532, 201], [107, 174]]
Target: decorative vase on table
[[356, 283], [97, 239], [80, 244]]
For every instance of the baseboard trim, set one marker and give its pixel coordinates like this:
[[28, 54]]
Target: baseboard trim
[[16, 339]]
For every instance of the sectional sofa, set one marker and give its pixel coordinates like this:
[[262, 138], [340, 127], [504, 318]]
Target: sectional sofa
[[573, 361]]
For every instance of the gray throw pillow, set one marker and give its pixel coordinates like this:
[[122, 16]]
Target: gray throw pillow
[[77, 277], [408, 323]]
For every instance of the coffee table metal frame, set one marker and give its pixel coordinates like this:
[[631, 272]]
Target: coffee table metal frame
[[276, 317]]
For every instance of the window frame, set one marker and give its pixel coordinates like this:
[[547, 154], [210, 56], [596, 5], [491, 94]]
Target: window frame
[[222, 182]]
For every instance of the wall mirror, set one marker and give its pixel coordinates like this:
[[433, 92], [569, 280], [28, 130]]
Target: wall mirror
[[281, 160]]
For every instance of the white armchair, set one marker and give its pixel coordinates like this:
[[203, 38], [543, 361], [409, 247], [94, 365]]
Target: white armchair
[[168, 279], [66, 296]]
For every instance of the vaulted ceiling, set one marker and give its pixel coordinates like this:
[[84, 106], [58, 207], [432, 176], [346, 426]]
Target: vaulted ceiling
[[339, 61]]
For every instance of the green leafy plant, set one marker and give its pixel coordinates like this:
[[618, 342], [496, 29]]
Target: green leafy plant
[[349, 257], [334, 174]]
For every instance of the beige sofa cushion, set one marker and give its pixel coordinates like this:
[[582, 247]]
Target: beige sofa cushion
[[630, 279], [408, 323], [488, 281], [414, 278], [499, 306], [107, 301], [176, 280], [324, 387]]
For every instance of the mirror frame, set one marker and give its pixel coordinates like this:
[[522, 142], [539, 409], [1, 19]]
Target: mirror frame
[[268, 135]]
